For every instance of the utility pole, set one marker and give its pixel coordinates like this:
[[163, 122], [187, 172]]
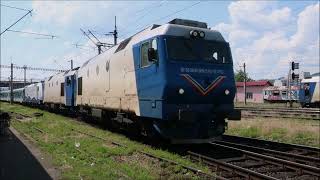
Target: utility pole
[[25, 75], [289, 87], [11, 84], [292, 77], [98, 43], [71, 62], [115, 32], [245, 84]]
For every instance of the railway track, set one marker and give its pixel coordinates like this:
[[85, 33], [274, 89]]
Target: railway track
[[312, 114], [235, 157], [245, 158]]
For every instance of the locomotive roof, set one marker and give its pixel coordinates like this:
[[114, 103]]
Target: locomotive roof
[[165, 29], [176, 30]]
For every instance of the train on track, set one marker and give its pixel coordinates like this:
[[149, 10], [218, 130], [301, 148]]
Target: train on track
[[174, 80], [309, 94]]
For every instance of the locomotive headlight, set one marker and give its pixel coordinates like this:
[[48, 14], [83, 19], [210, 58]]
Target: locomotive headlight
[[202, 34], [194, 33], [227, 92], [181, 91]]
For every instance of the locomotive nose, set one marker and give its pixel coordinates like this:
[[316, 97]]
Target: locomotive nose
[[203, 85]]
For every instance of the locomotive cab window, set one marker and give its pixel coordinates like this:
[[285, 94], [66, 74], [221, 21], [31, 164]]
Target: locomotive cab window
[[144, 52]]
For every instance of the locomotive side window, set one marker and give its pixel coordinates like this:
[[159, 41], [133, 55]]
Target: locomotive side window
[[80, 86], [62, 89], [154, 45], [144, 54]]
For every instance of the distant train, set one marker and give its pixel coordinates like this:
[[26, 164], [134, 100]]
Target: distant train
[[280, 94], [174, 80], [309, 95]]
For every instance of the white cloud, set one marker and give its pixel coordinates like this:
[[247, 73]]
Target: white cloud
[[81, 13], [60, 12], [259, 35]]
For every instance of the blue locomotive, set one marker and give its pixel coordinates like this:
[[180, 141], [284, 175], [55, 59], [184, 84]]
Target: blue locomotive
[[174, 80]]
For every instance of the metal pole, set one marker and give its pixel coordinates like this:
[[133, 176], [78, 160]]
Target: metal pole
[[71, 64], [289, 89], [25, 75], [245, 84], [115, 32], [11, 84]]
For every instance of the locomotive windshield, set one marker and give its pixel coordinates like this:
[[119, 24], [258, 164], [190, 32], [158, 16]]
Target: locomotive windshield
[[195, 50]]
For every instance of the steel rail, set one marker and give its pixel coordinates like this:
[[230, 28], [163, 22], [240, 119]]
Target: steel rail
[[273, 143], [194, 170], [301, 168], [281, 109], [279, 154], [248, 174]]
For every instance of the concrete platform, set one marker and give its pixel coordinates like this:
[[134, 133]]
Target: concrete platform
[[19, 159]]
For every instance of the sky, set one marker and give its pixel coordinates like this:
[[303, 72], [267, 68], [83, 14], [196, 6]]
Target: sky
[[266, 35]]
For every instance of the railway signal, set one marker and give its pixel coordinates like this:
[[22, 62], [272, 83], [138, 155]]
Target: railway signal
[[294, 66], [294, 76], [291, 77]]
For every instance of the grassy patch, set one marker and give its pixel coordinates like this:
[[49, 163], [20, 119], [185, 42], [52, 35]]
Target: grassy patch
[[304, 132], [80, 156]]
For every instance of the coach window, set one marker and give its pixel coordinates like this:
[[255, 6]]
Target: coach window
[[80, 86], [62, 89]]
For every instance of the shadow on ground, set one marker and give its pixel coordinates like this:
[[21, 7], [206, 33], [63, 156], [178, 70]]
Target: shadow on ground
[[17, 162]]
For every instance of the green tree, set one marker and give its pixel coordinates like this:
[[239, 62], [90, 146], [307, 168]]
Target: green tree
[[239, 76]]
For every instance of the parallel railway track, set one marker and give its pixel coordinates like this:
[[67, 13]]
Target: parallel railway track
[[234, 157], [245, 158], [312, 114]]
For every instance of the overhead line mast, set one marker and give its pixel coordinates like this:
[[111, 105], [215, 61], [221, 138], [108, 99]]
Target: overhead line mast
[[114, 33], [25, 68], [100, 44]]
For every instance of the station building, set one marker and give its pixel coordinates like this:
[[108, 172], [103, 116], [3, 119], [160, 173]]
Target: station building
[[254, 91]]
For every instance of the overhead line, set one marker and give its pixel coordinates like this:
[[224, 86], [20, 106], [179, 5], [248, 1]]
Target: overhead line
[[40, 34], [144, 15], [14, 7], [178, 11], [29, 12], [31, 68], [151, 6]]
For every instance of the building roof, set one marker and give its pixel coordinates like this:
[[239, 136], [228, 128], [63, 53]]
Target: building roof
[[254, 83]]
